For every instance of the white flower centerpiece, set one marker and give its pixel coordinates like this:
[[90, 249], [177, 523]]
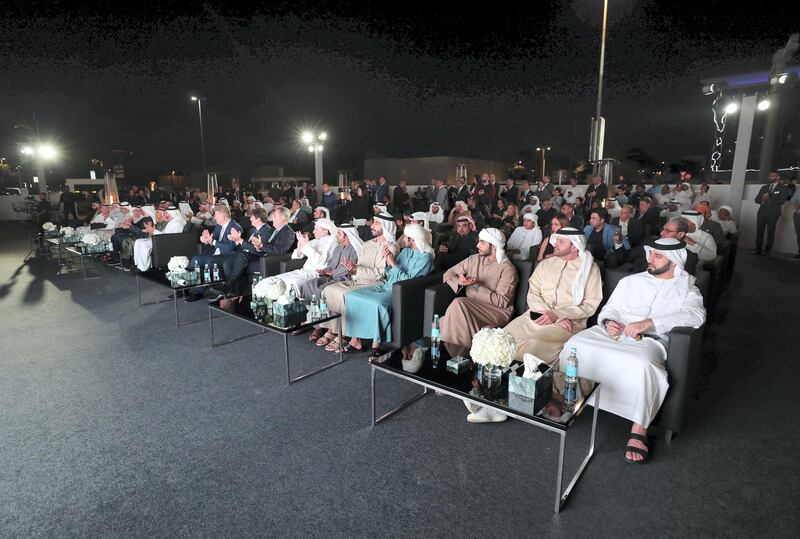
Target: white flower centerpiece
[[50, 229], [265, 293], [494, 350], [93, 243], [68, 232], [177, 274]]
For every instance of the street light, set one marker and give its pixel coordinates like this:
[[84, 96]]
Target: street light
[[543, 150], [42, 153], [315, 146], [202, 138]]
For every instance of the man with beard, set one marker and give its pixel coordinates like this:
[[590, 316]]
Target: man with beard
[[626, 351]]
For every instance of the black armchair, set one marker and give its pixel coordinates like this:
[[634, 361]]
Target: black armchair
[[292, 264], [683, 361], [408, 299], [270, 265], [165, 246]]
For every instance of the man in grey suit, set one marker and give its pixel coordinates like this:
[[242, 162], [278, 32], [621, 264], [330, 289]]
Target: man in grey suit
[[439, 194], [770, 198]]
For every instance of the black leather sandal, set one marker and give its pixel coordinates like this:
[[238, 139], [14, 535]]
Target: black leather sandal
[[638, 450]]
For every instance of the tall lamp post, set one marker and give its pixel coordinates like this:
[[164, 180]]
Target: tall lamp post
[[542, 150], [315, 146], [598, 122], [202, 138]]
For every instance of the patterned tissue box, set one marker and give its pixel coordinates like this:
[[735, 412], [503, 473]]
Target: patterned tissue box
[[529, 395], [289, 315]]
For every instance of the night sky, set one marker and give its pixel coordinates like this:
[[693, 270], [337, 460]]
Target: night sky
[[483, 80]]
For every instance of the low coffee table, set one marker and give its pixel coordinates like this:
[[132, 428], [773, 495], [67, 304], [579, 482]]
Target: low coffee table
[[59, 244], [555, 416], [78, 250], [159, 277], [241, 310]]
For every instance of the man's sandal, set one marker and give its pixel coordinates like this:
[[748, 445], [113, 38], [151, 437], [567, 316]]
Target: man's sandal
[[638, 450]]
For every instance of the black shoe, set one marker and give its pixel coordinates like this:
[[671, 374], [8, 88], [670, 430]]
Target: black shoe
[[192, 296]]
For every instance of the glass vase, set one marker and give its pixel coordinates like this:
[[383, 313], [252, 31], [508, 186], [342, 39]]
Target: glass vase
[[491, 382]]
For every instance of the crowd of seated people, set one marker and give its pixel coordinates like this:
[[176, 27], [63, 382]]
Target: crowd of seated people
[[354, 250]]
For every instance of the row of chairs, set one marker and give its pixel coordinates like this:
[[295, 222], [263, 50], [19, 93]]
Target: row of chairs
[[429, 296]]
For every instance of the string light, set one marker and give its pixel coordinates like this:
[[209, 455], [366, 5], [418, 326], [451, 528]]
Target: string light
[[716, 154]]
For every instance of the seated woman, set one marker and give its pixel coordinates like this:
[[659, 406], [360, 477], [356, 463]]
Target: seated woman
[[546, 248], [368, 311]]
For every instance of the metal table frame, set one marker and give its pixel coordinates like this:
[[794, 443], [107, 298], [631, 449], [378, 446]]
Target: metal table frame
[[174, 298], [560, 498], [73, 251], [264, 328]]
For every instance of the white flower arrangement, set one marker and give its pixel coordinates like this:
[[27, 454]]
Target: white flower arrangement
[[48, 226], [178, 264], [493, 347], [271, 288], [91, 239], [68, 231]]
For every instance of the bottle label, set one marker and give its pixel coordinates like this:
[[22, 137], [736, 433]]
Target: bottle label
[[434, 333], [572, 371]]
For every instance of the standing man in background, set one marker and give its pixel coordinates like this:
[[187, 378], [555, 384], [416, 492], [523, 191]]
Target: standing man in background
[[770, 198]]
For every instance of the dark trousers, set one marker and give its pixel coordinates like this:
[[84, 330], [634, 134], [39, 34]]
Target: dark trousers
[[70, 209], [237, 268], [797, 229], [765, 221]]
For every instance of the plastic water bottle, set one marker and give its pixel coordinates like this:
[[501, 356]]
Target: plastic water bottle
[[435, 341], [313, 309], [215, 273], [197, 274], [323, 306], [572, 367], [207, 274]]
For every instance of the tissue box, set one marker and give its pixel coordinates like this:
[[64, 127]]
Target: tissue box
[[528, 395], [175, 278], [459, 364], [289, 315]]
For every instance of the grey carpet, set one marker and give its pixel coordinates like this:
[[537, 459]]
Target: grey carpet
[[115, 423]]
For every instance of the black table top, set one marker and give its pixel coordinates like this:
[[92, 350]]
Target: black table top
[[159, 276], [241, 309], [556, 413]]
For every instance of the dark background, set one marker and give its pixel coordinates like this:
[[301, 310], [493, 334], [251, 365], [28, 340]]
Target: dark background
[[485, 80]]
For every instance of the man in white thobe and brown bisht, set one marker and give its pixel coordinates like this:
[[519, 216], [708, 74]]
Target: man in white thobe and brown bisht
[[370, 270], [489, 280], [626, 351], [563, 292]]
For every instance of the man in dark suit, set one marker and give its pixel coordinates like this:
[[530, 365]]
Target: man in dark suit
[[298, 218], [596, 192], [770, 198], [676, 227], [220, 244], [248, 252], [510, 193], [575, 220], [462, 192], [459, 246], [629, 226], [648, 216], [525, 193]]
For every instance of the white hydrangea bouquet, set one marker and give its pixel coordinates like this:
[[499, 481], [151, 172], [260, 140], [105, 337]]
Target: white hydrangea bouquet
[[91, 239], [177, 274], [178, 264], [49, 228], [493, 347], [269, 289], [68, 231]]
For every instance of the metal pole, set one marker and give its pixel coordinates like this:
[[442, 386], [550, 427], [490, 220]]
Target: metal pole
[[543, 163], [598, 131], [746, 116], [318, 167], [202, 137]]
